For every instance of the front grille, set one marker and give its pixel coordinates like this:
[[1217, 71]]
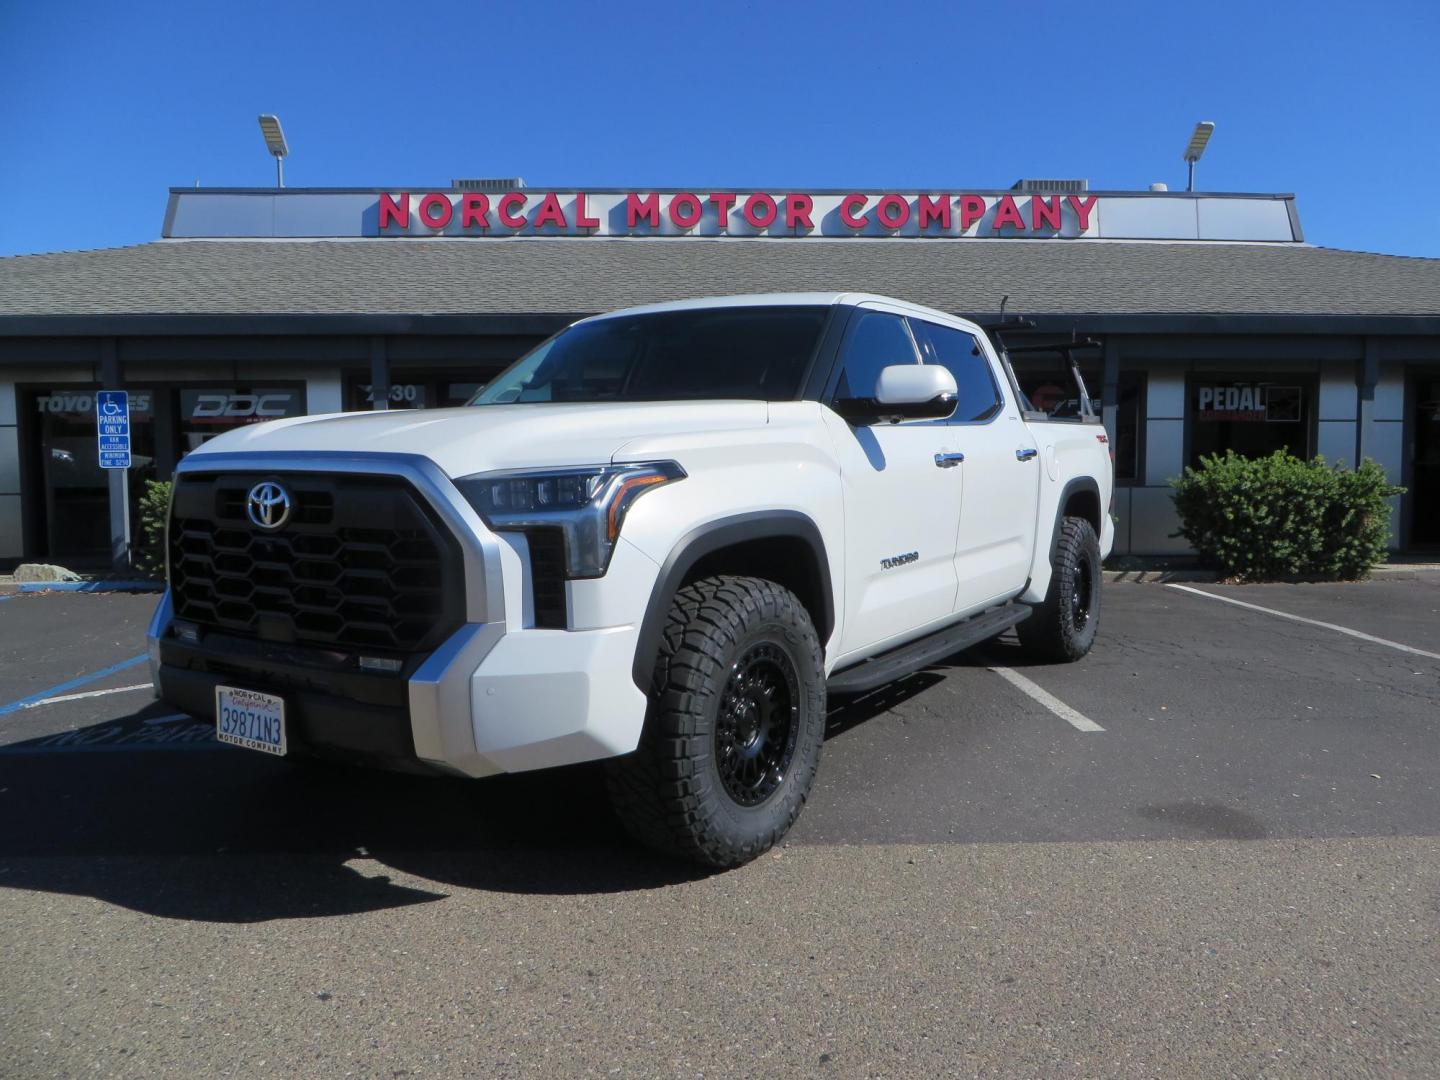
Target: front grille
[[361, 563]]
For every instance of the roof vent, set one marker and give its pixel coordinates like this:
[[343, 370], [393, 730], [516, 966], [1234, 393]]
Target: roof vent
[[514, 183], [1160, 186], [1051, 187]]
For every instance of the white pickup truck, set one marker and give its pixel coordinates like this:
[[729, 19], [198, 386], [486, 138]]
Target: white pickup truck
[[659, 538]]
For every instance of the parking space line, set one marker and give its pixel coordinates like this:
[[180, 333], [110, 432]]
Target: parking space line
[[60, 688], [1077, 720], [87, 694], [1310, 622]]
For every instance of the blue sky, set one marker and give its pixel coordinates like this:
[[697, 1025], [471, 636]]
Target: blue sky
[[106, 105]]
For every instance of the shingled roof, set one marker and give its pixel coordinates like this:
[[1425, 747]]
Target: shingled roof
[[527, 276]]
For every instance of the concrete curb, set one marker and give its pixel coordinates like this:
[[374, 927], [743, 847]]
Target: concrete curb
[[89, 586], [1159, 577], [1388, 572]]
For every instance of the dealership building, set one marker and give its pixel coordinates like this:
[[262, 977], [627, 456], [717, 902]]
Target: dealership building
[[1215, 325]]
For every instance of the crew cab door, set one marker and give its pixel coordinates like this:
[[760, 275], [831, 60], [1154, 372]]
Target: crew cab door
[[995, 538], [901, 496]]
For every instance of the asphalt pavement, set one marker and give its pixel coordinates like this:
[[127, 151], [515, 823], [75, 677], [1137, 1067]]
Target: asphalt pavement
[[1208, 849]]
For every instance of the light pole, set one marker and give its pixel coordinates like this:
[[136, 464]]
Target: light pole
[[275, 143], [1203, 131]]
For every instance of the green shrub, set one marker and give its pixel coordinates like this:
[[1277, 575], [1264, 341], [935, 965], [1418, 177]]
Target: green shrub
[[154, 508], [1281, 516]]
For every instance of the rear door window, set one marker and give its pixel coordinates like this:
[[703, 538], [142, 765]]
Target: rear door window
[[978, 397]]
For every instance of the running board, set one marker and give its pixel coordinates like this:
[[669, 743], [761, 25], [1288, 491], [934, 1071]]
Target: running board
[[887, 667]]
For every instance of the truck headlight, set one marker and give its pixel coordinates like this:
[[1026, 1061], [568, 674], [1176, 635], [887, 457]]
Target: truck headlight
[[587, 504]]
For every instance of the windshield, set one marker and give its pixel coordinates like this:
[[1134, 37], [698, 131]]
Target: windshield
[[756, 353]]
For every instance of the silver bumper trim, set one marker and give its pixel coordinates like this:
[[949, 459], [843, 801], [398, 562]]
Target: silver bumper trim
[[159, 623]]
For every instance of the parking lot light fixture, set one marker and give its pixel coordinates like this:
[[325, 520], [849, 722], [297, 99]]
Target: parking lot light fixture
[[1203, 130], [275, 143]]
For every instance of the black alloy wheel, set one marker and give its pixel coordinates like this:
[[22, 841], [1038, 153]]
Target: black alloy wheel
[[757, 724]]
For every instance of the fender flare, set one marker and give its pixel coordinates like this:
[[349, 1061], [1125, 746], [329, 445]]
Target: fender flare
[[1073, 487], [708, 538]]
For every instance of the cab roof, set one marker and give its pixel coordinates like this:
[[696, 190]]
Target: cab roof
[[793, 299]]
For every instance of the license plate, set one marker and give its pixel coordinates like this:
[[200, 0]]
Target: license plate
[[250, 719]]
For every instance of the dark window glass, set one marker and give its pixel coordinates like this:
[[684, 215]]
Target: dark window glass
[[1425, 485], [405, 393], [756, 353], [1049, 387], [76, 490], [208, 411], [978, 398], [420, 388], [1252, 418], [455, 394], [1126, 444], [875, 340]]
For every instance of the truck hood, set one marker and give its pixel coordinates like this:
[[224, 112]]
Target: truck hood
[[488, 437]]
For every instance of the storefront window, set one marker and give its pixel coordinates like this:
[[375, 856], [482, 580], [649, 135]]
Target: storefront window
[[1425, 482], [407, 394], [423, 390], [209, 411], [1249, 417], [76, 503]]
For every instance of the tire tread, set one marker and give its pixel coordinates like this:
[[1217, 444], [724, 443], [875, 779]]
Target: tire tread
[[661, 792]]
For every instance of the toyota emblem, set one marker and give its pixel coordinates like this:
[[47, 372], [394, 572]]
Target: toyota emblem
[[268, 505]]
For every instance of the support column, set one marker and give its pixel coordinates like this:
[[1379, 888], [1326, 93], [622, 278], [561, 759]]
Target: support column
[[111, 378], [1110, 386], [1369, 375], [379, 374]]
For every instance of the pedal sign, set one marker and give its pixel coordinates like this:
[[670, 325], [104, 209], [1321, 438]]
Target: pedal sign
[[112, 422]]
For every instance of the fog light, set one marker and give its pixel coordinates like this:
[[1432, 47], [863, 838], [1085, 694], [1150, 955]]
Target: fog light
[[187, 632], [380, 664]]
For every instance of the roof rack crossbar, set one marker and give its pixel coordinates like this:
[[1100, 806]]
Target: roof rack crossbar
[[1019, 322], [1064, 347]]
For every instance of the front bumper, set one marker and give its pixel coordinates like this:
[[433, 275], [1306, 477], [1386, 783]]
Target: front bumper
[[485, 701]]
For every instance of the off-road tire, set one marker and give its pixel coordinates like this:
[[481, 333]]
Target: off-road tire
[[1055, 630], [725, 640]]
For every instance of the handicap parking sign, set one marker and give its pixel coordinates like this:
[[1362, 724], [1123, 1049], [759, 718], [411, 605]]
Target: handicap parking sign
[[112, 423]]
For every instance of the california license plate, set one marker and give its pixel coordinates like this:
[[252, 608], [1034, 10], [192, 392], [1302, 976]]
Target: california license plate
[[250, 719]]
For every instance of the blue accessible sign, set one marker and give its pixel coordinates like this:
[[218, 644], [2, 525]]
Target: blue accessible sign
[[112, 422]]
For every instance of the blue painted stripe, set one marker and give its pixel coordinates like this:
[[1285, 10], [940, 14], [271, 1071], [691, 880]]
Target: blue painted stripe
[[73, 683], [91, 586]]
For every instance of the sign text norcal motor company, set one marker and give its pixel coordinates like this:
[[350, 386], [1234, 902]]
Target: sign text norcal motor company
[[734, 214]]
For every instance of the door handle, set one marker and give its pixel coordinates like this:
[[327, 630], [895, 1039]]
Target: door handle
[[948, 461], [1025, 453]]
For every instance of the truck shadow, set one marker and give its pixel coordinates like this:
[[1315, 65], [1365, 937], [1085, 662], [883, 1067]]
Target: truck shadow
[[198, 831], [150, 813]]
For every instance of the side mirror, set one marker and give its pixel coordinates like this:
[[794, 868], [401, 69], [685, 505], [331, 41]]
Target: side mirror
[[904, 392]]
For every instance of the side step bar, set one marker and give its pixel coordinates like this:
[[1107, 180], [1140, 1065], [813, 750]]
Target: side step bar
[[887, 667]]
